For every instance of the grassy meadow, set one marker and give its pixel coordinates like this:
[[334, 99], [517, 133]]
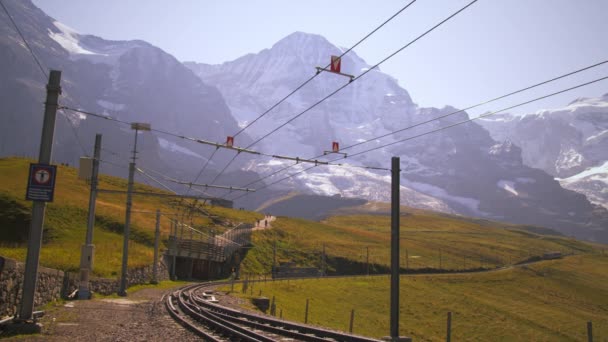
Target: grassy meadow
[[428, 240], [66, 220], [545, 301]]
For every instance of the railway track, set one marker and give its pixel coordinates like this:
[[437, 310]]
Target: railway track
[[191, 307]]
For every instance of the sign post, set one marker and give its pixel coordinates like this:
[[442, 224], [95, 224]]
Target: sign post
[[41, 183], [43, 175]]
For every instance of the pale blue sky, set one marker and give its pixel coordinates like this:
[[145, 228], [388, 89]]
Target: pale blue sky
[[494, 47]]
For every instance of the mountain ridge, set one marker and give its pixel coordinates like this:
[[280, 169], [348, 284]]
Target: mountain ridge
[[464, 167]]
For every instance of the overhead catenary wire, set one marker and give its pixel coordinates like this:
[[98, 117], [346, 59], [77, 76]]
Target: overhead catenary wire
[[475, 106], [353, 80], [363, 73], [42, 71], [27, 45], [190, 184], [349, 83], [206, 142], [448, 114], [304, 84], [75, 132], [155, 180], [480, 116], [437, 130], [201, 141], [328, 65]]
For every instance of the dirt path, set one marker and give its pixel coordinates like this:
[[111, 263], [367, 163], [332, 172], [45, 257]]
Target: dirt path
[[139, 317], [264, 223]]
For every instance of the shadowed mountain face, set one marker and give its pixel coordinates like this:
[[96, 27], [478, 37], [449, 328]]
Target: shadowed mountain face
[[129, 80], [570, 143], [462, 169]]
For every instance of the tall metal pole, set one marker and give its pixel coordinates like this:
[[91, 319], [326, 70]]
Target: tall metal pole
[[122, 291], [88, 249], [395, 203], [274, 258], [53, 89], [156, 244], [93, 194], [367, 260], [324, 261]]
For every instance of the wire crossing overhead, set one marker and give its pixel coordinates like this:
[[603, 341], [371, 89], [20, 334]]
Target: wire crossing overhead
[[300, 160], [231, 188], [327, 66], [446, 115], [363, 74], [437, 130], [477, 105], [352, 81], [305, 83], [482, 116], [217, 145], [29, 48]]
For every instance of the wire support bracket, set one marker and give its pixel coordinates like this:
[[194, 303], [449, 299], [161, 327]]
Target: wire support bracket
[[334, 152], [301, 160], [351, 77]]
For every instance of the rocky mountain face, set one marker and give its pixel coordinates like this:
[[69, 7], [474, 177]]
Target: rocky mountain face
[[129, 80], [462, 169], [570, 143]]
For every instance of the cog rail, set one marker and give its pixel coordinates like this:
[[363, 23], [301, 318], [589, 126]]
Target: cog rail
[[214, 322]]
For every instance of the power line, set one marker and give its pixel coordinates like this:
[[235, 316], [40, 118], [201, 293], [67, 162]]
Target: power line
[[42, 70], [439, 129], [278, 181], [304, 84], [476, 105], [328, 65], [205, 142], [84, 151], [191, 184], [446, 115], [155, 180], [364, 73], [481, 116], [353, 80]]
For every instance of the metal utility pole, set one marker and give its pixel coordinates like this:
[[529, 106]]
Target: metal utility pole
[[274, 258], [156, 244], [324, 261], [395, 204], [53, 89], [122, 291], [88, 249], [367, 260]]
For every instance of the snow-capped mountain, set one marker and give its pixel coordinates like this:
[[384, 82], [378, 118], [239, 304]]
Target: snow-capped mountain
[[133, 81], [570, 143], [461, 169]]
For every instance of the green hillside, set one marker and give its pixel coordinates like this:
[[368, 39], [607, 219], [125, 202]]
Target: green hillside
[[65, 225], [548, 300], [545, 301], [428, 240]]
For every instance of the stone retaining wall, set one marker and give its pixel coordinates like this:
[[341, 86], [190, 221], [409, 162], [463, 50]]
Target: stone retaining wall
[[54, 284]]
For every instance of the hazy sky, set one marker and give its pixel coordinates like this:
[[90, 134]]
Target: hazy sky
[[494, 47]]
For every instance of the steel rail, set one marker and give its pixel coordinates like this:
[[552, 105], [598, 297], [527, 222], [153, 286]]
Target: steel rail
[[216, 323], [233, 323], [175, 313]]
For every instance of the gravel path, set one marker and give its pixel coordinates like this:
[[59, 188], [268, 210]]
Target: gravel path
[[139, 317]]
